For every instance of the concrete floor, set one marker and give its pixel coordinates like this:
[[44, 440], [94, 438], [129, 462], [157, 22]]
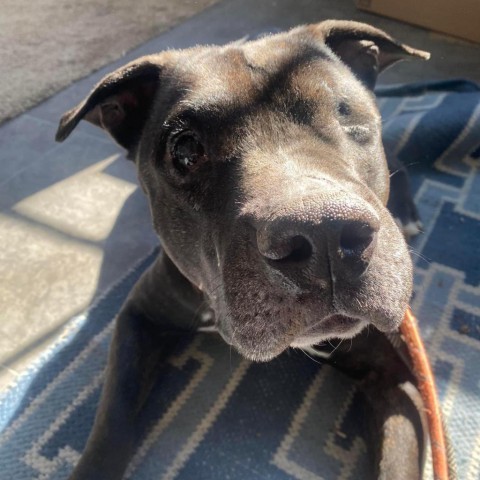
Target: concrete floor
[[72, 219]]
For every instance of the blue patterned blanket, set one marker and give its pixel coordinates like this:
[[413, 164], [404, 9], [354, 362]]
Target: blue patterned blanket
[[217, 416]]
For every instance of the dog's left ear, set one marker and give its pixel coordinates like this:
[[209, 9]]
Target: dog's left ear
[[365, 49], [120, 103]]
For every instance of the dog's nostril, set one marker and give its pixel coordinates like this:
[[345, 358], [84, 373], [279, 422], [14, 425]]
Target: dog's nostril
[[301, 250], [285, 250], [355, 238]]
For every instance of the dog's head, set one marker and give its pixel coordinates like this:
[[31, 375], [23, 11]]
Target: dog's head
[[264, 167]]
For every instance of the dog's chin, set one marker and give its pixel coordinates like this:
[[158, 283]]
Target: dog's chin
[[254, 351], [259, 355], [332, 327]]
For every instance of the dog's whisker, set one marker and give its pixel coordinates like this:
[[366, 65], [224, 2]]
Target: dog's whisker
[[311, 358], [419, 255], [339, 343]]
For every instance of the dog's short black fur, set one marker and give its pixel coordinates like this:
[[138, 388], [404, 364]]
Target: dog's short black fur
[[268, 185]]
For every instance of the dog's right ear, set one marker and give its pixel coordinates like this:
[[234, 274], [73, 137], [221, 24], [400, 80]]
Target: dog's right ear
[[120, 103]]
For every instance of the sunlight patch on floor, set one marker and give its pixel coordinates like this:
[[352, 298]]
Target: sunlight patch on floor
[[84, 205]]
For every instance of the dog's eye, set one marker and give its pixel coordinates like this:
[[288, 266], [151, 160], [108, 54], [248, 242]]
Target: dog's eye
[[187, 152], [343, 108]]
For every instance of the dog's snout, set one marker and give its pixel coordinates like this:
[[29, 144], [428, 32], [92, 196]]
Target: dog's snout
[[307, 240]]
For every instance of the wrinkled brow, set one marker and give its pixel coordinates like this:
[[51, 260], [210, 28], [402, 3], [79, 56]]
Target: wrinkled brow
[[265, 89]]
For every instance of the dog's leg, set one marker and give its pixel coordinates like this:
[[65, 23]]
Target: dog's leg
[[395, 429], [394, 418], [146, 332], [400, 203], [135, 353]]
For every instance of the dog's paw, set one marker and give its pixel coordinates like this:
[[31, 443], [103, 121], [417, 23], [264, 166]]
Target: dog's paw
[[406, 215], [410, 229]]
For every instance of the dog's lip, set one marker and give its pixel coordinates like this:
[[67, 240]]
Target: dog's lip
[[337, 324]]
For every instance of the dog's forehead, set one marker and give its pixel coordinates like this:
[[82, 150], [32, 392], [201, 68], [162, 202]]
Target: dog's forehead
[[240, 73]]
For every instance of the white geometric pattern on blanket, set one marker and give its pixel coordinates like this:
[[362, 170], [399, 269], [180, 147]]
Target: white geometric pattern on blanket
[[311, 412]]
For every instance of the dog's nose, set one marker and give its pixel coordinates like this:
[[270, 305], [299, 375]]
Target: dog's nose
[[303, 241], [356, 240]]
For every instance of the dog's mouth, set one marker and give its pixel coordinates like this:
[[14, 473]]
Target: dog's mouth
[[340, 326], [265, 344]]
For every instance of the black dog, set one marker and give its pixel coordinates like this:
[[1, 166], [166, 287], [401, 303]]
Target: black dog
[[268, 185]]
